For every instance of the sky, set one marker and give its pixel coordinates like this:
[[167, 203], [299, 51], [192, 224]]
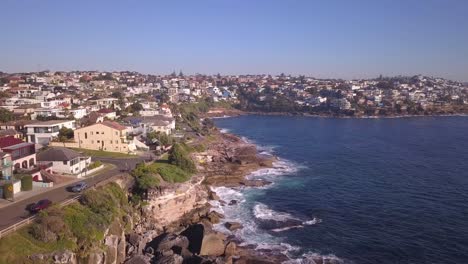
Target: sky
[[325, 39]]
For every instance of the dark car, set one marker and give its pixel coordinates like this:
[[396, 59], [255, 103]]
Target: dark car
[[79, 187], [39, 206]]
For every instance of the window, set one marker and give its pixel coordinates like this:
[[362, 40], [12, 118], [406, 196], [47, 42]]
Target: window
[[92, 141], [116, 133], [110, 141], [64, 162], [91, 133], [97, 132], [116, 142], [86, 135], [98, 141]]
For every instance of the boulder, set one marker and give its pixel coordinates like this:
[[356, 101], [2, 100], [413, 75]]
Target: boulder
[[233, 202], [112, 249], [133, 239], [194, 234], [169, 241], [233, 226], [231, 249], [213, 244], [214, 196], [139, 259], [214, 217], [65, 257], [171, 259]]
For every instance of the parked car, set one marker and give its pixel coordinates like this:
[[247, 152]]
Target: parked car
[[39, 206], [79, 187]]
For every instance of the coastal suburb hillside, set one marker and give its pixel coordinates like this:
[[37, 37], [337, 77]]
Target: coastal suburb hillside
[[160, 212]]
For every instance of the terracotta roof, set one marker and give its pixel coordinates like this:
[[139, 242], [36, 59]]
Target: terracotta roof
[[106, 111], [9, 141], [114, 125]]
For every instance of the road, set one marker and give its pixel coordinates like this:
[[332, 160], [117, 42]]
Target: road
[[17, 211]]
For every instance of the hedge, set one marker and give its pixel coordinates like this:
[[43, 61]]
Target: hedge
[[26, 183]]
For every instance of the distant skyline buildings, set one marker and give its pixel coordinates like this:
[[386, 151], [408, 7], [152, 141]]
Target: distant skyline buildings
[[323, 39]]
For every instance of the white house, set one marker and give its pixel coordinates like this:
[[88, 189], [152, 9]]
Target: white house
[[64, 160], [43, 132]]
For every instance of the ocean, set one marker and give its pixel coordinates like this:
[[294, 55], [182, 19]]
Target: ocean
[[390, 190]]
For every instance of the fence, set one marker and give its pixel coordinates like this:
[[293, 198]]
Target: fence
[[29, 220]]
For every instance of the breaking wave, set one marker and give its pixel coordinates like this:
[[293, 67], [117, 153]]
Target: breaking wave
[[261, 223]]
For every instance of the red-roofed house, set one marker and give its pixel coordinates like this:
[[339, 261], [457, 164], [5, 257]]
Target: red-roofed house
[[23, 154], [109, 113]]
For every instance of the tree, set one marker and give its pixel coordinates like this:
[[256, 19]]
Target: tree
[[179, 157], [136, 107], [162, 138], [6, 115], [145, 177], [65, 134]]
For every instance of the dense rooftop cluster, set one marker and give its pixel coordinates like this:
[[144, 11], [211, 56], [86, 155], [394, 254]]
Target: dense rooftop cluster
[[45, 94]]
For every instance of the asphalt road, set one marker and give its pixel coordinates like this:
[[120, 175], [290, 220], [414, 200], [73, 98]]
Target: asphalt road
[[17, 211]]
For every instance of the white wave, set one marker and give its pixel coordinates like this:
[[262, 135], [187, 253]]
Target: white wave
[[280, 167], [277, 230], [312, 258], [310, 222], [313, 221], [220, 117], [263, 212], [280, 247], [224, 130]]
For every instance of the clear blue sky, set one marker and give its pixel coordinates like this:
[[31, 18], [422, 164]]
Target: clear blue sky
[[328, 38]]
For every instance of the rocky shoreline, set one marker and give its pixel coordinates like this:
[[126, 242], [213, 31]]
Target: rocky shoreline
[[222, 113], [180, 229]]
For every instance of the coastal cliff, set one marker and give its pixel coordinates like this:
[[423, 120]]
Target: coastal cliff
[[175, 222]]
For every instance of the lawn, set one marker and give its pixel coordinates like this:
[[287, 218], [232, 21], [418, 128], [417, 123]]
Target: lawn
[[16, 247], [104, 154]]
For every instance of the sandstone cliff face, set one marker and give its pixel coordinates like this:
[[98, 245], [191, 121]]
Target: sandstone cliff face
[[170, 204]]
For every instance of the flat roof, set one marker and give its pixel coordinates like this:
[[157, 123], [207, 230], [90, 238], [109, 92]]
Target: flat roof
[[20, 145], [48, 123]]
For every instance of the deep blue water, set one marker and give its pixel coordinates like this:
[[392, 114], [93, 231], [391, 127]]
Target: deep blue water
[[386, 190]]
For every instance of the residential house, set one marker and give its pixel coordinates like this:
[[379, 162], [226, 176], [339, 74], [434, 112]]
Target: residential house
[[64, 160], [108, 113], [145, 124], [23, 154], [105, 102], [106, 136], [43, 132]]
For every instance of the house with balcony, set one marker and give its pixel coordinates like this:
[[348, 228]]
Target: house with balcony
[[23, 156], [43, 132], [6, 166], [106, 136]]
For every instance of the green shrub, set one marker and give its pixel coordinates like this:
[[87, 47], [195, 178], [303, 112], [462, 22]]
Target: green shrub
[[84, 223], [50, 226], [87, 226], [26, 183], [171, 173], [94, 165], [178, 156]]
